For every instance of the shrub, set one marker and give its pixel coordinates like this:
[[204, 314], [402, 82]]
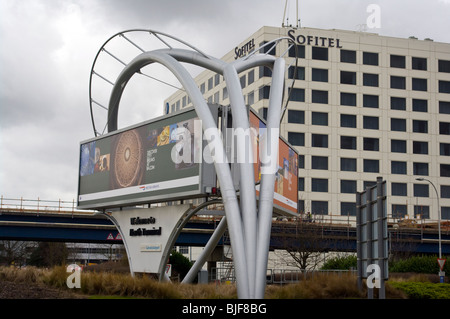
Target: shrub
[[340, 263], [418, 264], [423, 290]]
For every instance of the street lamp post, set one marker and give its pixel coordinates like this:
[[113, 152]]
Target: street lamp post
[[439, 213]]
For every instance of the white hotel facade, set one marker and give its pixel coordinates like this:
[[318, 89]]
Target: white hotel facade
[[362, 106]]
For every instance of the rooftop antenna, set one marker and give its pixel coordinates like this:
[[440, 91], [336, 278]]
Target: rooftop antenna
[[287, 18]]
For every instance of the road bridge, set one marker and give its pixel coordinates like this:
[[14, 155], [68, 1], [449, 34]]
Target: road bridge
[[29, 220]]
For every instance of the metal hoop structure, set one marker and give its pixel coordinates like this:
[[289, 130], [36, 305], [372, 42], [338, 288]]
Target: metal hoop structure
[[249, 223]]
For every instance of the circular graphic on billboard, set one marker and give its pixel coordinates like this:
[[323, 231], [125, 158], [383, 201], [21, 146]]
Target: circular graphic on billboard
[[128, 159]]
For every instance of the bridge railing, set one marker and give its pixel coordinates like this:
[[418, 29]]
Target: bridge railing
[[39, 205]]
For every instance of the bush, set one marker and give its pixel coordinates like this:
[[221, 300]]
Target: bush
[[340, 263], [418, 264], [423, 290]]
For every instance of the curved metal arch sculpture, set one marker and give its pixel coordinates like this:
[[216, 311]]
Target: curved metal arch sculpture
[[249, 226]]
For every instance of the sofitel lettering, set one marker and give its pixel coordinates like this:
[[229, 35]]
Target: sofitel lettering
[[243, 50], [315, 40]]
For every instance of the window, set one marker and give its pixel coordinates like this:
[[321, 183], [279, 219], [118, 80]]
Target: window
[[348, 186], [445, 170], [371, 144], [445, 191], [420, 147], [202, 88], [421, 190], [319, 53], [399, 189], [398, 103], [398, 82], [250, 77], [319, 207], [264, 71], [320, 75], [371, 166], [319, 140], [398, 167], [300, 74], [444, 149], [444, 66], [420, 105], [301, 161], [263, 112], [369, 184], [301, 184], [319, 185], [348, 99], [319, 97], [419, 63], [421, 212], [397, 61], [445, 212], [370, 58], [297, 95], [419, 84], [398, 125], [348, 164], [211, 83], [420, 126], [296, 139], [398, 146], [348, 120], [300, 51], [348, 142], [348, 77], [370, 122], [250, 98], [217, 78], [370, 79], [444, 107], [320, 118], [295, 116], [420, 169], [370, 101], [444, 86], [444, 128], [399, 211], [301, 205], [348, 56], [319, 162], [264, 92], [348, 209], [270, 49]]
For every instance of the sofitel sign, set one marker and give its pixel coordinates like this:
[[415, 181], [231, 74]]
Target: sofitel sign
[[315, 40]]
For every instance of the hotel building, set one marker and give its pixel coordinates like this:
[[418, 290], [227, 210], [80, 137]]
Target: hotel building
[[362, 106]]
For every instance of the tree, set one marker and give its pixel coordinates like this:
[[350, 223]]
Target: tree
[[49, 254], [302, 242], [14, 252]]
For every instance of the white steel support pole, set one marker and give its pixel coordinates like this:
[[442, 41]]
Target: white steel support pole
[[269, 165], [245, 160]]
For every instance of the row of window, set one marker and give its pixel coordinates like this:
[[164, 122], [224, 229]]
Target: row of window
[[369, 58], [369, 122], [372, 166], [349, 209], [369, 79], [350, 187], [369, 143]]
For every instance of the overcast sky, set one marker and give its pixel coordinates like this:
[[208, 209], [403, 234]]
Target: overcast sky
[[48, 47]]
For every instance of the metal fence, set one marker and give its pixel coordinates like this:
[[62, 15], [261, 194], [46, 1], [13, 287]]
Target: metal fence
[[39, 205], [278, 276]]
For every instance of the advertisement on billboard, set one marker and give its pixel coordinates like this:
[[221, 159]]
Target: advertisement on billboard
[[158, 160], [286, 184]]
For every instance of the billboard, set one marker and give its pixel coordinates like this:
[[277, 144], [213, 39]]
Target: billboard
[[145, 163], [286, 184]]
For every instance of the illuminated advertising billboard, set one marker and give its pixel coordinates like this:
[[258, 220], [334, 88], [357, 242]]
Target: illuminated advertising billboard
[[286, 183], [145, 163]]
